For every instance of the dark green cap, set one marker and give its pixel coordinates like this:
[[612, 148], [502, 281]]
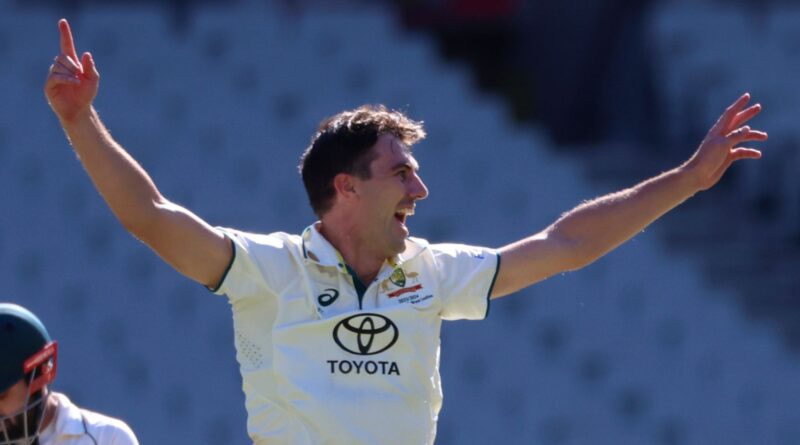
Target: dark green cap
[[22, 335]]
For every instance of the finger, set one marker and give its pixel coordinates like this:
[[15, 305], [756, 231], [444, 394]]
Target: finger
[[745, 153], [755, 135], [735, 155], [90, 69], [61, 79], [727, 117], [743, 116], [67, 44], [738, 133], [743, 134], [68, 63], [60, 69]]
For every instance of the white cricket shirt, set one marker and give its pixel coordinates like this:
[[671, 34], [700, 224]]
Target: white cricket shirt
[[326, 360], [76, 426]]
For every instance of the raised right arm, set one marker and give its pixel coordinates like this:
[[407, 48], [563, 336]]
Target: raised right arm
[[182, 239]]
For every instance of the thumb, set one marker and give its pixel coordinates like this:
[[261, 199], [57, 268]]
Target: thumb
[[89, 68]]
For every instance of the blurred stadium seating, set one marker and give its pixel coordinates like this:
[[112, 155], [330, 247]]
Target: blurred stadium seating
[[637, 348], [707, 53]]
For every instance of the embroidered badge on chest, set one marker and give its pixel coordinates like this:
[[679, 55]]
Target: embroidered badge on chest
[[401, 282], [398, 277]]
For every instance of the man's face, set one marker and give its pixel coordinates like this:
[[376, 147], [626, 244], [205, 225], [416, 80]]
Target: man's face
[[389, 196], [12, 410], [13, 400]]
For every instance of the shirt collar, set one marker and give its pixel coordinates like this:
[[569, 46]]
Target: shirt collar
[[319, 250], [68, 420]]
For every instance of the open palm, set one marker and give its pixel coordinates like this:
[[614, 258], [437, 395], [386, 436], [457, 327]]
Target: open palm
[[71, 83], [720, 148]]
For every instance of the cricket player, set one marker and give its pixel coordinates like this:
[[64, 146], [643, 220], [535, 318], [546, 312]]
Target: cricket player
[[32, 414], [337, 328]]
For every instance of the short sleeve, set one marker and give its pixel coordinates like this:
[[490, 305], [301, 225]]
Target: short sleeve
[[466, 277], [123, 435], [104, 429], [259, 265]]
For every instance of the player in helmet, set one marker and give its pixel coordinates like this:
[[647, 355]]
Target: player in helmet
[[30, 412]]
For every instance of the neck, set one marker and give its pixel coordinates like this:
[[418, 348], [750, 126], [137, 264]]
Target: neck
[[49, 414], [357, 253]]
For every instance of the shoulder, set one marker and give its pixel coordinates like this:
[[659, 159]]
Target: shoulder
[[260, 262], [104, 429], [261, 247], [279, 240], [108, 427], [457, 250], [450, 258]]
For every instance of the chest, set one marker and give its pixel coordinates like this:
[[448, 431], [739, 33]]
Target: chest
[[328, 312], [328, 292]]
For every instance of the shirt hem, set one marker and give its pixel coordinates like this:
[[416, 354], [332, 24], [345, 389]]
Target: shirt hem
[[216, 288]]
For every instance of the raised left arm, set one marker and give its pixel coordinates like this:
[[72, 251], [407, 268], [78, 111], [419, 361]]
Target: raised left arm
[[596, 227]]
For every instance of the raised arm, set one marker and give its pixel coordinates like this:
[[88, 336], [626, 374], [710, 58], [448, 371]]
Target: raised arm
[[185, 241], [594, 228]]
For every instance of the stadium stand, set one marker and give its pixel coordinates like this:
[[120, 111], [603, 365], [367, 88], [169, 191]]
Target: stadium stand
[[704, 52], [634, 349], [705, 47]]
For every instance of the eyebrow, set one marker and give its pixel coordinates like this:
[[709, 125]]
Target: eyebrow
[[410, 165]]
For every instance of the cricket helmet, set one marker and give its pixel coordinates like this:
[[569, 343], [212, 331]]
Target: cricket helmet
[[26, 353]]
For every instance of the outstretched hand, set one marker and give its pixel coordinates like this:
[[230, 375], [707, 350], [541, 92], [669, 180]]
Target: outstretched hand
[[719, 148], [72, 82]]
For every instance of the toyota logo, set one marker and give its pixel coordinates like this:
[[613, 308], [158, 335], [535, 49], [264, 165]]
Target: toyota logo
[[365, 334]]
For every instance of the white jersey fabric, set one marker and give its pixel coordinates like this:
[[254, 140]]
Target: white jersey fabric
[[327, 360], [76, 426]]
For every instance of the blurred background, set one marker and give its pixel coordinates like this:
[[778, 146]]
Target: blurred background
[[688, 334]]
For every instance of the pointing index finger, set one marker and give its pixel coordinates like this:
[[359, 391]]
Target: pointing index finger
[[67, 44]]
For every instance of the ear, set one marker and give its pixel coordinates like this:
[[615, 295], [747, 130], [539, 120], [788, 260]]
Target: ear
[[345, 186]]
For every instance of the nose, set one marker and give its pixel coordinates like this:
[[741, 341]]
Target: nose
[[417, 188]]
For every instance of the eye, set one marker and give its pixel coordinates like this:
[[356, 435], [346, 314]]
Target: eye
[[403, 174]]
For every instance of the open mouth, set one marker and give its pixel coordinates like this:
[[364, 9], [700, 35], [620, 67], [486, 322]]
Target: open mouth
[[403, 214]]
